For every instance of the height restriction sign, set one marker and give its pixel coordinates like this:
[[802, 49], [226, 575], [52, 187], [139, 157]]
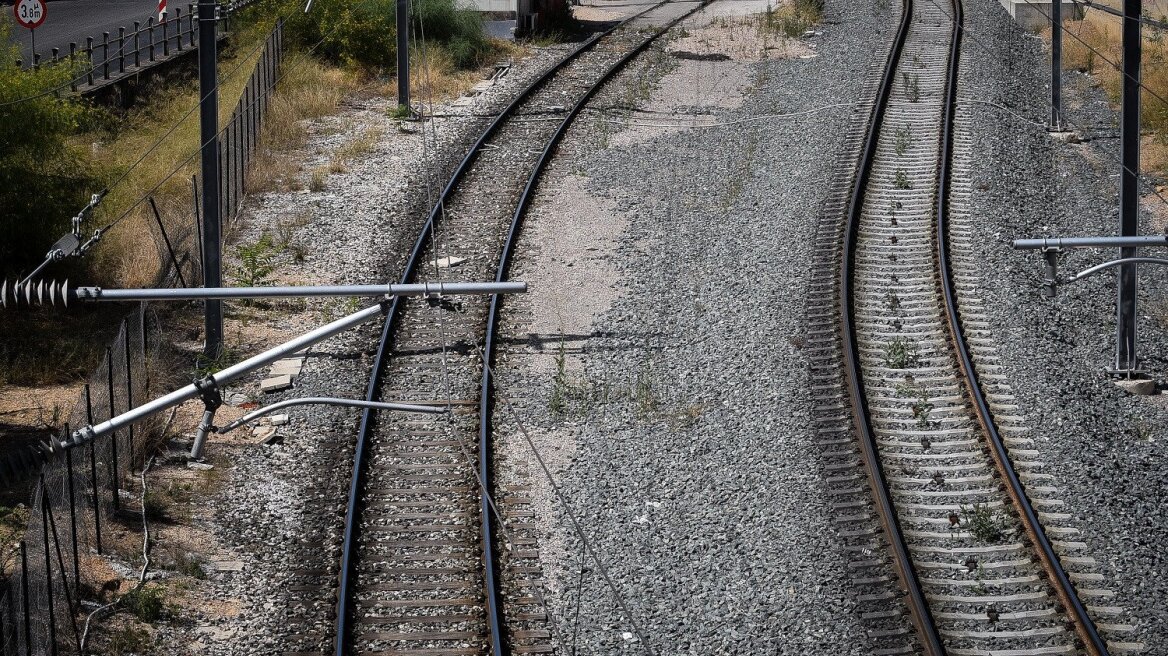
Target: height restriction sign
[[29, 13]]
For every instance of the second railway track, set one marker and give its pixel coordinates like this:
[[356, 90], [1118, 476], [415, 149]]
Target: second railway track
[[946, 522]]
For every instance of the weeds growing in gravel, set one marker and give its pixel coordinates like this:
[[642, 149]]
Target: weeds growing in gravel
[[901, 181], [903, 140], [643, 393], [791, 20], [256, 261], [983, 523], [900, 354], [912, 86]]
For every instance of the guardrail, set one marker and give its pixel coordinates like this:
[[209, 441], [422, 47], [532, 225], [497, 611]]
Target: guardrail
[[130, 51]]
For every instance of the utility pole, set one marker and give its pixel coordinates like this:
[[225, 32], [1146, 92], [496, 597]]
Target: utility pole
[[209, 137], [1126, 361], [403, 54], [1056, 66]]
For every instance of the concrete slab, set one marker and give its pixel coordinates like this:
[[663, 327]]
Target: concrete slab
[[276, 384]]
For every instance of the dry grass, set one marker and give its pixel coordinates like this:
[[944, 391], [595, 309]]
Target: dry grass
[[132, 253], [310, 89], [1101, 32]]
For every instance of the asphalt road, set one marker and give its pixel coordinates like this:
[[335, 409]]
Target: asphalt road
[[73, 20]]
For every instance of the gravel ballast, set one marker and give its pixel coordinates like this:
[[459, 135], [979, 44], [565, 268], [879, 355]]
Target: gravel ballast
[[1105, 448], [678, 421]]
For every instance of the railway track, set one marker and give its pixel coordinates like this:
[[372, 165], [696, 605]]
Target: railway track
[[431, 564], [956, 541]]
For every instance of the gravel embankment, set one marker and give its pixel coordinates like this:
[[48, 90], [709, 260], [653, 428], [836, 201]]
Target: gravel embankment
[[1107, 449], [684, 443], [280, 510]]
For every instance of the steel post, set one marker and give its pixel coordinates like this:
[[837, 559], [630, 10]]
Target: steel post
[[209, 131], [403, 53], [93, 487], [115, 476], [1126, 360], [48, 569], [24, 597], [1056, 65], [73, 520]]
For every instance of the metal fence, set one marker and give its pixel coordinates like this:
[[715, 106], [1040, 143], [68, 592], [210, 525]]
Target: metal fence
[[237, 142], [133, 50], [81, 500]]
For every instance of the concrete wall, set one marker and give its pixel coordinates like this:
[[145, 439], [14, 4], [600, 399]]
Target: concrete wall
[[1035, 14]]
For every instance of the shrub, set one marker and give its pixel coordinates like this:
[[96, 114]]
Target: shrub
[[364, 33], [44, 180]]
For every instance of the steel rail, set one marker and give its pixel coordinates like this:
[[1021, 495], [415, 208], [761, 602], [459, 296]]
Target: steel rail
[[922, 617], [486, 390], [373, 390], [1085, 627]]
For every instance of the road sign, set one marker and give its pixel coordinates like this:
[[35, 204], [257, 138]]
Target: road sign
[[29, 13]]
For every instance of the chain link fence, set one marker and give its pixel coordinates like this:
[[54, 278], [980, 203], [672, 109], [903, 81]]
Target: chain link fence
[[81, 500]]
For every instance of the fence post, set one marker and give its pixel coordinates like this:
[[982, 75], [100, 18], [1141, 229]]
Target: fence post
[[116, 483], [122, 49], [56, 54], [137, 45], [48, 569], [165, 39], [24, 597], [73, 518], [105, 55], [129, 390], [61, 569], [191, 24], [72, 55], [178, 28], [89, 53], [93, 471], [150, 26]]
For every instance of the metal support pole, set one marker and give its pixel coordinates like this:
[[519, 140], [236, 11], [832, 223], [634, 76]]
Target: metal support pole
[[48, 571], [24, 597], [109, 363], [105, 55], [403, 53], [137, 44], [73, 520], [209, 131], [121, 50], [1126, 360], [129, 390], [1056, 65], [93, 472]]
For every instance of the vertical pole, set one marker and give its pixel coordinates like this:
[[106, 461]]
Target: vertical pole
[[109, 365], [24, 597], [93, 471], [1126, 360], [403, 53], [209, 129], [89, 53], [72, 54], [48, 570], [73, 519], [105, 55], [137, 45], [129, 389], [1056, 65], [178, 28], [121, 49]]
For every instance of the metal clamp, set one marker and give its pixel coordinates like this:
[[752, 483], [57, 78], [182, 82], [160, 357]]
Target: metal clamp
[[208, 390]]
